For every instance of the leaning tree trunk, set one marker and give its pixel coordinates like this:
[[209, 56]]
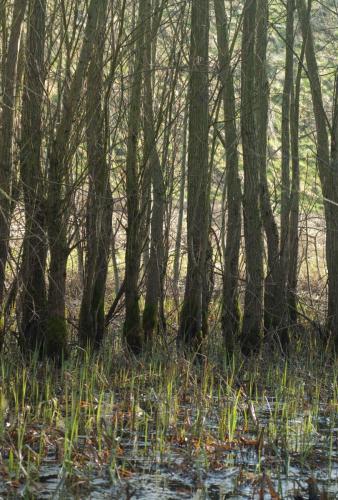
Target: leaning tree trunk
[[132, 325], [99, 204], [253, 300], [230, 305], [198, 203], [155, 265], [33, 296], [6, 135]]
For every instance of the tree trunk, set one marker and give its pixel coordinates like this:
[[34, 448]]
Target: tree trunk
[[178, 240], [327, 167], [294, 197], [198, 203], [33, 297], [132, 325], [333, 242], [230, 305], [6, 135], [155, 264], [273, 278], [99, 204], [253, 301], [58, 202], [285, 168]]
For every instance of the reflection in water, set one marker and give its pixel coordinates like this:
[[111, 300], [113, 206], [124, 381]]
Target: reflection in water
[[237, 472]]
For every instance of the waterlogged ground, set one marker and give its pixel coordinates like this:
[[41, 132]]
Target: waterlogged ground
[[169, 429]]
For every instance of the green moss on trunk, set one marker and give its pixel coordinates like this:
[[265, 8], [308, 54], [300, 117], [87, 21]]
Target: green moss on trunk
[[55, 342], [150, 321], [132, 329]]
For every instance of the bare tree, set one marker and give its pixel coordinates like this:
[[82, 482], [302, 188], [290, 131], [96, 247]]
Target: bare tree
[[155, 264], [99, 203], [132, 325], [253, 306], [7, 133], [327, 165], [230, 305], [33, 297], [198, 203], [58, 195]]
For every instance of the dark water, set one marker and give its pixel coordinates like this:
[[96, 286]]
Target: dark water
[[180, 472]]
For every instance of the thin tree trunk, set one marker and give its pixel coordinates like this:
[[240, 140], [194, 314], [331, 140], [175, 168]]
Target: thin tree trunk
[[178, 241], [253, 301], [6, 135], [285, 168], [294, 197], [132, 325], [155, 264], [99, 205], [230, 305], [145, 212], [79, 251], [115, 265], [273, 278]]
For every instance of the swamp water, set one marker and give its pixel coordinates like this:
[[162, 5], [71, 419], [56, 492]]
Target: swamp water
[[181, 436]]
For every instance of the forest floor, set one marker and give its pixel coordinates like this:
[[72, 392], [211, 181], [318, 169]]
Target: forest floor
[[110, 426]]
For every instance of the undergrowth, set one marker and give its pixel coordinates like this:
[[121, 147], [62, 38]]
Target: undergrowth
[[116, 417]]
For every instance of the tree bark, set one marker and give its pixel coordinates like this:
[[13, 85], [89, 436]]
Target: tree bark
[[6, 135], [294, 196], [132, 325], [33, 296], [155, 264], [285, 167], [99, 203], [58, 202], [327, 167], [190, 331], [178, 240], [253, 300], [275, 309], [230, 305]]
